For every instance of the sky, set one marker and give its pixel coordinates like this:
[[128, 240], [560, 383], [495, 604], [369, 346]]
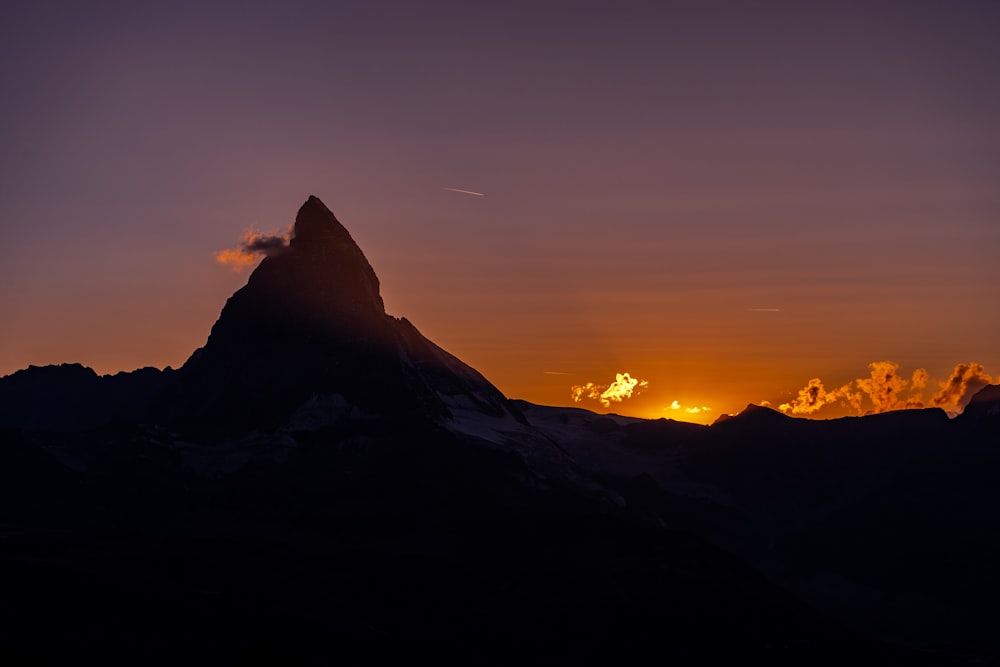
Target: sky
[[717, 201]]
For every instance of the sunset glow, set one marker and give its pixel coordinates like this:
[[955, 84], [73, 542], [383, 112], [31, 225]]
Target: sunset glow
[[572, 331], [765, 202]]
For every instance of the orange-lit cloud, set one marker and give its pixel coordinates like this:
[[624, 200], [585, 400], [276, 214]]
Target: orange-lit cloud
[[692, 410], [814, 396], [884, 388], [623, 387], [957, 390], [236, 258], [251, 247]]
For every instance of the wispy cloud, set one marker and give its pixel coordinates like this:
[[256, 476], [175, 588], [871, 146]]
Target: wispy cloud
[[466, 192], [623, 387], [691, 410]]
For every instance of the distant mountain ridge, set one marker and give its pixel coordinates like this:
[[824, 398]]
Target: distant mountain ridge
[[310, 323], [72, 397]]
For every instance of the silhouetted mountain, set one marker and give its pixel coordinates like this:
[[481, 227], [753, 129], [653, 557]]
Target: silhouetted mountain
[[310, 323], [322, 483], [756, 416]]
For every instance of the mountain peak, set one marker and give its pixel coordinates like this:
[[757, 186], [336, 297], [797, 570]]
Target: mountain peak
[[324, 273], [755, 414], [315, 223]]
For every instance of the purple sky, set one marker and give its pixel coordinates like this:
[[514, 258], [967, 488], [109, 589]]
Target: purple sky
[[653, 173]]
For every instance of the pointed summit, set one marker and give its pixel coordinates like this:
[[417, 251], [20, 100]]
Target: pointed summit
[[315, 223], [322, 272]]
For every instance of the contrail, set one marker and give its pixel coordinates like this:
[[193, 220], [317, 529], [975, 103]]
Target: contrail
[[554, 373], [466, 192], [765, 310]]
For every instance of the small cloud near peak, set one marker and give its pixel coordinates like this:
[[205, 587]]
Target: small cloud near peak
[[252, 246]]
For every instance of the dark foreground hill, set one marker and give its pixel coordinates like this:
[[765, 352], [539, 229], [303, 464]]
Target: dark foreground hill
[[320, 483]]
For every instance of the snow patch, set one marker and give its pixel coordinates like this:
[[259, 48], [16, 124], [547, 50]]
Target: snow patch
[[579, 434], [541, 453], [323, 410], [231, 455]]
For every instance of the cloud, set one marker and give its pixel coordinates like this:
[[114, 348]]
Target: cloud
[[882, 387], [885, 387], [959, 388], [623, 387], [814, 396], [236, 258], [251, 247], [693, 410]]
